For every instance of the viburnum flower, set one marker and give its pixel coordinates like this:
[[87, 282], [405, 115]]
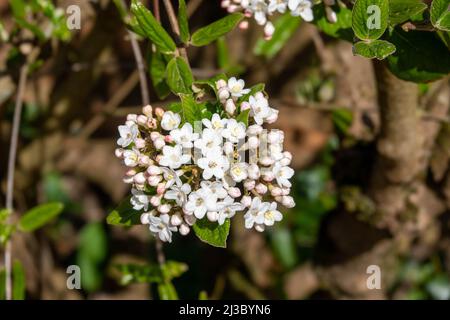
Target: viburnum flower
[[261, 10], [225, 165]]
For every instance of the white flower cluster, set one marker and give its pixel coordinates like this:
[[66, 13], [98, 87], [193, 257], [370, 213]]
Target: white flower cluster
[[179, 175], [262, 9]]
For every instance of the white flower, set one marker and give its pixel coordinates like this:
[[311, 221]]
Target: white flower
[[161, 226], [213, 164], [179, 194], [209, 141], [283, 174], [301, 8], [128, 134], [277, 5], [259, 8], [236, 87], [216, 123], [196, 205], [255, 213], [139, 200], [259, 107], [184, 136], [272, 215], [170, 120], [214, 188], [228, 209], [238, 171], [234, 131], [173, 157], [131, 158], [171, 177]]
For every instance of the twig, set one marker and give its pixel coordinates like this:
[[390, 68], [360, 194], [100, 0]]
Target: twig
[[11, 168], [159, 252], [111, 106], [175, 26], [192, 6], [156, 11], [141, 68]]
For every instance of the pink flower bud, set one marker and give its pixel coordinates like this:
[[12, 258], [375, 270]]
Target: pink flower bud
[[253, 171], [243, 25], [249, 184], [145, 160], [154, 170], [128, 180], [273, 117], [154, 135], [142, 120], [288, 202], [285, 191], [230, 107], [158, 158], [159, 143], [246, 201], [254, 129], [259, 227], [268, 30], [228, 148], [139, 178], [154, 180], [164, 208], [161, 188], [147, 110], [145, 218], [266, 161], [245, 106], [130, 172], [221, 84], [176, 219], [268, 176], [132, 117], [253, 142], [224, 94], [155, 201], [190, 219], [184, 229], [261, 188], [276, 192], [168, 139], [140, 143], [119, 153], [212, 216], [285, 162], [159, 112], [234, 192]]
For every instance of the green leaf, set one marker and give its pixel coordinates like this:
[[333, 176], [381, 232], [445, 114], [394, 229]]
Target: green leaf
[[203, 295], [92, 251], [18, 290], [191, 111], [379, 49], [213, 31], [39, 216], [341, 29], [183, 21], [167, 291], [285, 27], [440, 14], [124, 214], [223, 56], [283, 244], [157, 69], [152, 29], [212, 233], [151, 273], [179, 76], [243, 117], [420, 56], [17, 8], [256, 88], [402, 10], [370, 18]]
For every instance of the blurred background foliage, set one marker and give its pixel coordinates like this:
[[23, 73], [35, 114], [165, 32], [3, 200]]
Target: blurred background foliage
[[82, 83]]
